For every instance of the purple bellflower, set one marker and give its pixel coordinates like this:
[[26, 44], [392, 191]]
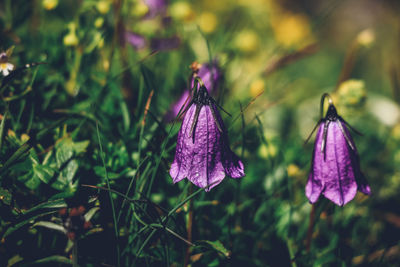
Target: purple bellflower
[[210, 74], [156, 7], [335, 168], [202, 151]]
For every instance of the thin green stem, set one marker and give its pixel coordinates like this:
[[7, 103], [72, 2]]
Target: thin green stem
[[110, 195]]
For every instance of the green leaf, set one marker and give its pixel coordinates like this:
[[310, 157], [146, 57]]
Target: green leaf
[[55, 259], [33, 183], [44, 173], [88, 215], [66, 176], [65, 150], [218, 246], [2, 126], [51, 225], [51, 204], [16, 227], [99, 170]]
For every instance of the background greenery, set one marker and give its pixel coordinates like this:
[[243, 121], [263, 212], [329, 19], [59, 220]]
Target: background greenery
[[87, 129]]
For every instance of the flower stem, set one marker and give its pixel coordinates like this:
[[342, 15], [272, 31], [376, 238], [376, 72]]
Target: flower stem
[[189, 227], [310, 228], [75, 254]]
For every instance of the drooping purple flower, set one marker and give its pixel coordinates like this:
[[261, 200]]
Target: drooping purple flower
[[202, 151], [210, 74], [335, 168]]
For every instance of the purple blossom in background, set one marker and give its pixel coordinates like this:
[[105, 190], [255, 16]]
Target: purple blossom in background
[[168, 43], [156, 7], [202, 151], [210, 75], [136, 40], [335, 169]]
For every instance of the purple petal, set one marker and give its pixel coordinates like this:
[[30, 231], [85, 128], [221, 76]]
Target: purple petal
[[136, 40], [210, 75], [232, 164], [184, 148], [355, 161], [313, 189], [177, 106], [204, 156], [207, 167], [334, 171], [156, 7], [314, 184], [161, 44]]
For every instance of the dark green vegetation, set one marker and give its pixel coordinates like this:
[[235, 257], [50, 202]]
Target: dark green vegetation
[[85, 130]]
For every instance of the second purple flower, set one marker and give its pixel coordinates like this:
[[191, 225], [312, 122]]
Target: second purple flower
[[335, 168]]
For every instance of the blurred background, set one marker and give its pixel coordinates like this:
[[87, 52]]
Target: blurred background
[[87, 136]]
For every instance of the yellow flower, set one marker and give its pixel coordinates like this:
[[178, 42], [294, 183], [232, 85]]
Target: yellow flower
[[71, 39], [267, 151], [182, 11], [366, 37], [293, 170], [207, 22], [103, 6], [247, 41], [257, 87], [140, 9], [291, 29], [11, 133], [98, 23], [352, 92], [396, 132], [24, 137], [50, 4]]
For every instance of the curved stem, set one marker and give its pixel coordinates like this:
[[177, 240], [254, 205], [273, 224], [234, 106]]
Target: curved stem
[[198, 80], [310, 228], [325, 95]]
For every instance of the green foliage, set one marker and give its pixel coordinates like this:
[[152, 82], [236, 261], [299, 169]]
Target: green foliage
[[85, 145]]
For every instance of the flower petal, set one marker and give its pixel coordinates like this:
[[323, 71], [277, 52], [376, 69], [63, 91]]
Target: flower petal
[[313, 189], [206, 163], [315, 183], [339, 173], [184, 148], [232, 164]]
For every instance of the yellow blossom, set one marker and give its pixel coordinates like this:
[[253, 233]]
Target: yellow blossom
[[24, 137], [352, 92], [267, 151], [396, 132], [103, 6], [366, 37], [140, 9], [11, 133], [247, 41], [182, 11], [207, 22], [71, 39], [99, 22], [257, 87], [49, 4], [291, 29], [293, 170]]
